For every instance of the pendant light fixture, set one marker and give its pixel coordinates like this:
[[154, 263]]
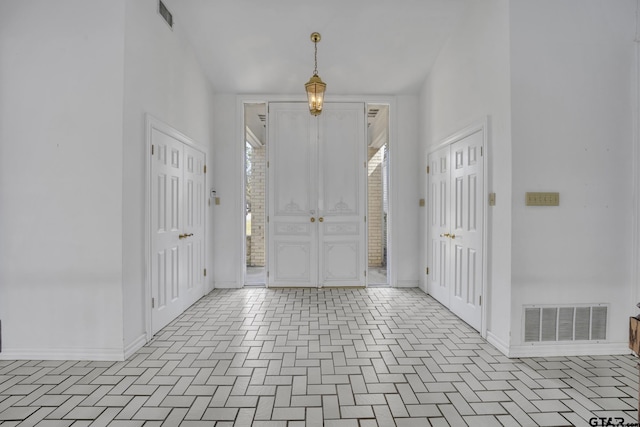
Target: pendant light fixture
[[315, 86]]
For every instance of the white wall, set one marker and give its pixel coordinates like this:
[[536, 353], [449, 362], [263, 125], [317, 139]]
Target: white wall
[[61, 178], [572, 87], [162, 77], [405, 193], [227, 181], [469, 82], [77, 78]]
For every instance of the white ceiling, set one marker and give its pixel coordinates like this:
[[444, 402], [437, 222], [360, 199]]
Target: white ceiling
[[368, 47]]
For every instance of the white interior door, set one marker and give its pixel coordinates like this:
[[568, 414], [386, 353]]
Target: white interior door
[[166, 226], [341, 196], [177, 227], [194, 217], [467, 190], [456, 227], [292, 196], [439, 225], [316, 195]]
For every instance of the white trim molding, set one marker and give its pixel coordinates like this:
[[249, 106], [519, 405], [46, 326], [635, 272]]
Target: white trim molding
[[580, 349], [407, 284], [98, 354], [227, 285], [500, 345], [136, 345]]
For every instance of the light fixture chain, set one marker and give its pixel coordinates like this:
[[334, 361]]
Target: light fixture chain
[[315, 70]]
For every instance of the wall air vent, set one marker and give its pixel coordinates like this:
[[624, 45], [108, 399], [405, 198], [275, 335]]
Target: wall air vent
[[565, 323], [166, 15]]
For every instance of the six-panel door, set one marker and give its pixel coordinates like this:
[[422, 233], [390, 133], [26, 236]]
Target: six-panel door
[[456, 189], [177, 227]]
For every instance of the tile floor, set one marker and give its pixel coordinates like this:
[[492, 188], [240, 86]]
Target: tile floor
[[349, 357]]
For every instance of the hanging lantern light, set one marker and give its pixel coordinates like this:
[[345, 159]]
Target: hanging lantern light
[[315, 86]]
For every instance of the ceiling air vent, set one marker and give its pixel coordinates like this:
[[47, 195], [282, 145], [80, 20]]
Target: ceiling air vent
[[565, 323], [166, 15]]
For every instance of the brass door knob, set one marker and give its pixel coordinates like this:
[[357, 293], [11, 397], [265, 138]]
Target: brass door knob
[[321, 219], [313, 219], [183, 236], [445, 235]]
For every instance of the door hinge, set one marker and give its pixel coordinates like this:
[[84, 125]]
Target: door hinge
[[267, 163], [480, 300], [481, 151], [427, 169], [427, 270], [365, 273], [205, 272], [153, 303], [205, 168], [267, 274], [365, 218], [267, 218], [152, 150], [365, 164]]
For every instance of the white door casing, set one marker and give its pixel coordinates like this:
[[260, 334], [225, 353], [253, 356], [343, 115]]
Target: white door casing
[[317, 195], [177, 224], [456, 226]]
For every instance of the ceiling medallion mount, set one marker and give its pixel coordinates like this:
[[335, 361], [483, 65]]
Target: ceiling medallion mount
[[315, 87]]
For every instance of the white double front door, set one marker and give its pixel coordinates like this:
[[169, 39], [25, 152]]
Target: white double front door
[[177, 226], [456, 227], [317, 194]]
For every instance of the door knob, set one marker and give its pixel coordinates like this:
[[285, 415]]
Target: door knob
[[321, 219], [445, 235], [313, 219], [183, 236]]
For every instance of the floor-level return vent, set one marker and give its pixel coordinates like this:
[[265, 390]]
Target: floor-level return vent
[[562, 323]]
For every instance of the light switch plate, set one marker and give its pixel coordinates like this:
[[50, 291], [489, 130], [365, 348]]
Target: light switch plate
[[542, 199]]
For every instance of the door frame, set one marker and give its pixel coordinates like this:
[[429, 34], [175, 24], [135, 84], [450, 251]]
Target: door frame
[[239, 196], [153, 123], [481, 125]]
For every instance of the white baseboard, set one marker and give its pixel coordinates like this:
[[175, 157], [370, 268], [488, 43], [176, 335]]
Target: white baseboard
[[136, 345], [581, 349], [500, 345], [407, 284], [107, 354], [226, 285]]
